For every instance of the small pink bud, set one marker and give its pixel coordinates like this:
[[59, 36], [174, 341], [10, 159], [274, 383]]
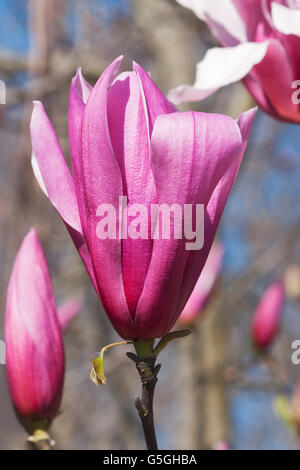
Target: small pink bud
[[33, 337], [205, 285], [267, 315]]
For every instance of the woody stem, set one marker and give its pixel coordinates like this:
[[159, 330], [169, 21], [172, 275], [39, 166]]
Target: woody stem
[[144, 405]]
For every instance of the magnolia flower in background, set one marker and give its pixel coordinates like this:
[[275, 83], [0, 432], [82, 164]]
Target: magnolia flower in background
[[204, 286], [222, 445], [261, 46], [126, 139], [68, 311], [267, 316], [33, 338]]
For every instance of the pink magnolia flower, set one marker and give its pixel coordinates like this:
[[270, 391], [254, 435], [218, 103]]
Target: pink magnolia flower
[[267, 315], [126, 139], [261, 46], [33, 337], [204, 286]]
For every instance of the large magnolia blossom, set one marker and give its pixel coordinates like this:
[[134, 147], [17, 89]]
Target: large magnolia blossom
[[126, 139], [261, 46]]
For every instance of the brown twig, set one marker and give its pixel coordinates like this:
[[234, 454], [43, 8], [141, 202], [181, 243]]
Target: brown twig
[[144, 405]]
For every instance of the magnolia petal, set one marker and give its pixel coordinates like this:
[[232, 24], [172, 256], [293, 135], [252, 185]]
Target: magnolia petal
[[222, 17], [277, 85], [51, 168], [102, 182], [128, 125], [79, 93], [286, 20], [214, 211], [156, 102], [221, 67], [68, 310], [204, 285], [191, 152]]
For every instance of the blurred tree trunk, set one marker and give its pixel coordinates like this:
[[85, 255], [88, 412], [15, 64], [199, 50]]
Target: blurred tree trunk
[[205, 421], [164, 28], [215, 405]]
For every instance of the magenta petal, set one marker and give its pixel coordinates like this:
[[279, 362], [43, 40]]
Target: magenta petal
[[55, 178], [102, 182], [215, 207], [34, 346], [53, 168], [79, 93], [191, 155], [156, 102], [269, 73], [128, 124]]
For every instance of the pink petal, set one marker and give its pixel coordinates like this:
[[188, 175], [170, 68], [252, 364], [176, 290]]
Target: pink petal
[[52, 167], [269, 74], [192, 154], [55, 179], [102, 182], [215, 209], [128, 125], [68, 310], [222, 18], [34, 346], [252, 14], [79, 93], [205, 285], [156, 102]]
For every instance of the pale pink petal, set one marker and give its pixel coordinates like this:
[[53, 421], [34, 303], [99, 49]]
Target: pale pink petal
[[52, 167], [205, 284], [222, 17], [55, 179], [79, 93], [156, 102], [286, 20], [221, 67]]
